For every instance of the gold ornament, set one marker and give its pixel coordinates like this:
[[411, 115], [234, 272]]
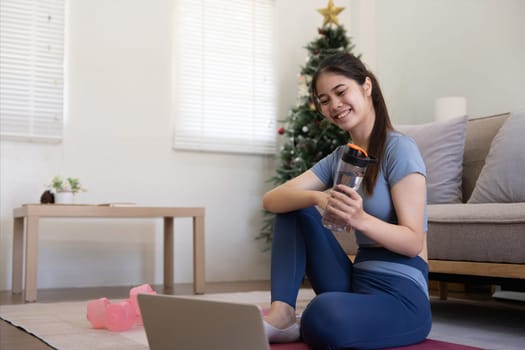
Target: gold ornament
[[330, 13]]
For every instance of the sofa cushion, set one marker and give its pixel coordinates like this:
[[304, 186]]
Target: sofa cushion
[[502, 177], [480, 133], [441, 144], [487, 232]]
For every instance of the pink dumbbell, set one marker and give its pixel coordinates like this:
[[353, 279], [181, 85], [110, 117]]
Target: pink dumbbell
[[143, 289], [119, 316], [96, 312]]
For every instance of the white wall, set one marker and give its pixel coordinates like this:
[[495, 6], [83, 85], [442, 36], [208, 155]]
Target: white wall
[[426, 49], [118, 127], [421, 50], [118, 142]]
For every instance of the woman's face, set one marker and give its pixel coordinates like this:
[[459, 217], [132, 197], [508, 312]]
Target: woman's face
[[343, 101]]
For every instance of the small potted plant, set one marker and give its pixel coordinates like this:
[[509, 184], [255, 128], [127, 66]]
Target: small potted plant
[[65, 189]]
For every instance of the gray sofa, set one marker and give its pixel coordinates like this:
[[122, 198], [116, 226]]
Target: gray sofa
[[480, 232]]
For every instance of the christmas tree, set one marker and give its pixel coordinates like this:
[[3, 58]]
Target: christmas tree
[[307, 135]]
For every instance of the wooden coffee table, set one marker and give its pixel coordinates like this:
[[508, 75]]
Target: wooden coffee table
[[28, 217]]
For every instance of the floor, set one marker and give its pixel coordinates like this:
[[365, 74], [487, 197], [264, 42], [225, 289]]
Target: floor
[[12, 338]]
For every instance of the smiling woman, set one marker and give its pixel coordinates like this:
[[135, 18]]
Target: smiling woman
[[358, 302], [224, 91]]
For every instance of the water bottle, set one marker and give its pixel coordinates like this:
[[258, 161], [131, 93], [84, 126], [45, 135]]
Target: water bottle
[[350, 172]]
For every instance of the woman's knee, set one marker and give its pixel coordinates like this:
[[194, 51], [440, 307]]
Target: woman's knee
[[304, 220]]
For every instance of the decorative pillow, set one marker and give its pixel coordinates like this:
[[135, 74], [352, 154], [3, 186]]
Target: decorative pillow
[[441, 144], [502, 178]]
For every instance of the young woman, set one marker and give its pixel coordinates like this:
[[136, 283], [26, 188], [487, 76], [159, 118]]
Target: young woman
[[381, 299]]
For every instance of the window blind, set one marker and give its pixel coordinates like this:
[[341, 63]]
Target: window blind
[[224, 80], [31, 69]]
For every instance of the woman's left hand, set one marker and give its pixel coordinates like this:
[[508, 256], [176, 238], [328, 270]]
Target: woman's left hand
[[346, 204]]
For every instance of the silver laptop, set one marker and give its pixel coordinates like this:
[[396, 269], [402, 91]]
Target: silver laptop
[[176, 322]]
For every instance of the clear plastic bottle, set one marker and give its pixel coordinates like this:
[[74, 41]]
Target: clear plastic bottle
[[350, 172]]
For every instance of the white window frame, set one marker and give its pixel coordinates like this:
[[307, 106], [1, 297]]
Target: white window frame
[[32, 70], [223, 76]]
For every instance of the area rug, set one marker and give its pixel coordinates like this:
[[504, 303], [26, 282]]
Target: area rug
[[64, 326]]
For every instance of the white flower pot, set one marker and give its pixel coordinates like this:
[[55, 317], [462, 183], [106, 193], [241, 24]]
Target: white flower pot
[[64, 198]]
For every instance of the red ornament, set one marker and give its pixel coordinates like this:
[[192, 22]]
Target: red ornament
[[280, 131]]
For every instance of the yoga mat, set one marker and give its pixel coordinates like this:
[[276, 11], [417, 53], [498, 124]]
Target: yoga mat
[[428, 344]]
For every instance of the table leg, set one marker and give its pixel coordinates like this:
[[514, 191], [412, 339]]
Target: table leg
[[31, 259], [168, 254], [18, 255], [199, 279]]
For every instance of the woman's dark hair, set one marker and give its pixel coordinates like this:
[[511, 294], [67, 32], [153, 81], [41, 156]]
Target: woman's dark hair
[[351, 67]]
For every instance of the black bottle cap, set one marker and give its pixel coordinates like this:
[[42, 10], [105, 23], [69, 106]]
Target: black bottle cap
[[357, 156]]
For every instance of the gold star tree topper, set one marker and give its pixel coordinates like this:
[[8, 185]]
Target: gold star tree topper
[[330, 13]]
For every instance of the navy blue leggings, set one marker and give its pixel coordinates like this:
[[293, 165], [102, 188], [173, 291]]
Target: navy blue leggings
[[380, 300]]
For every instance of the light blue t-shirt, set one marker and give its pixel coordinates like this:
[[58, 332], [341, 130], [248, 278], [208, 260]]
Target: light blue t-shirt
[[401, 158]]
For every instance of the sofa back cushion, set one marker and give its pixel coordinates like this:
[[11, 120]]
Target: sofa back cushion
[[479, 136], [441, 144], [501, 180]]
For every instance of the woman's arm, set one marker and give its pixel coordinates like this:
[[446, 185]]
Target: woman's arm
[[303, 191], [408, 236]]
